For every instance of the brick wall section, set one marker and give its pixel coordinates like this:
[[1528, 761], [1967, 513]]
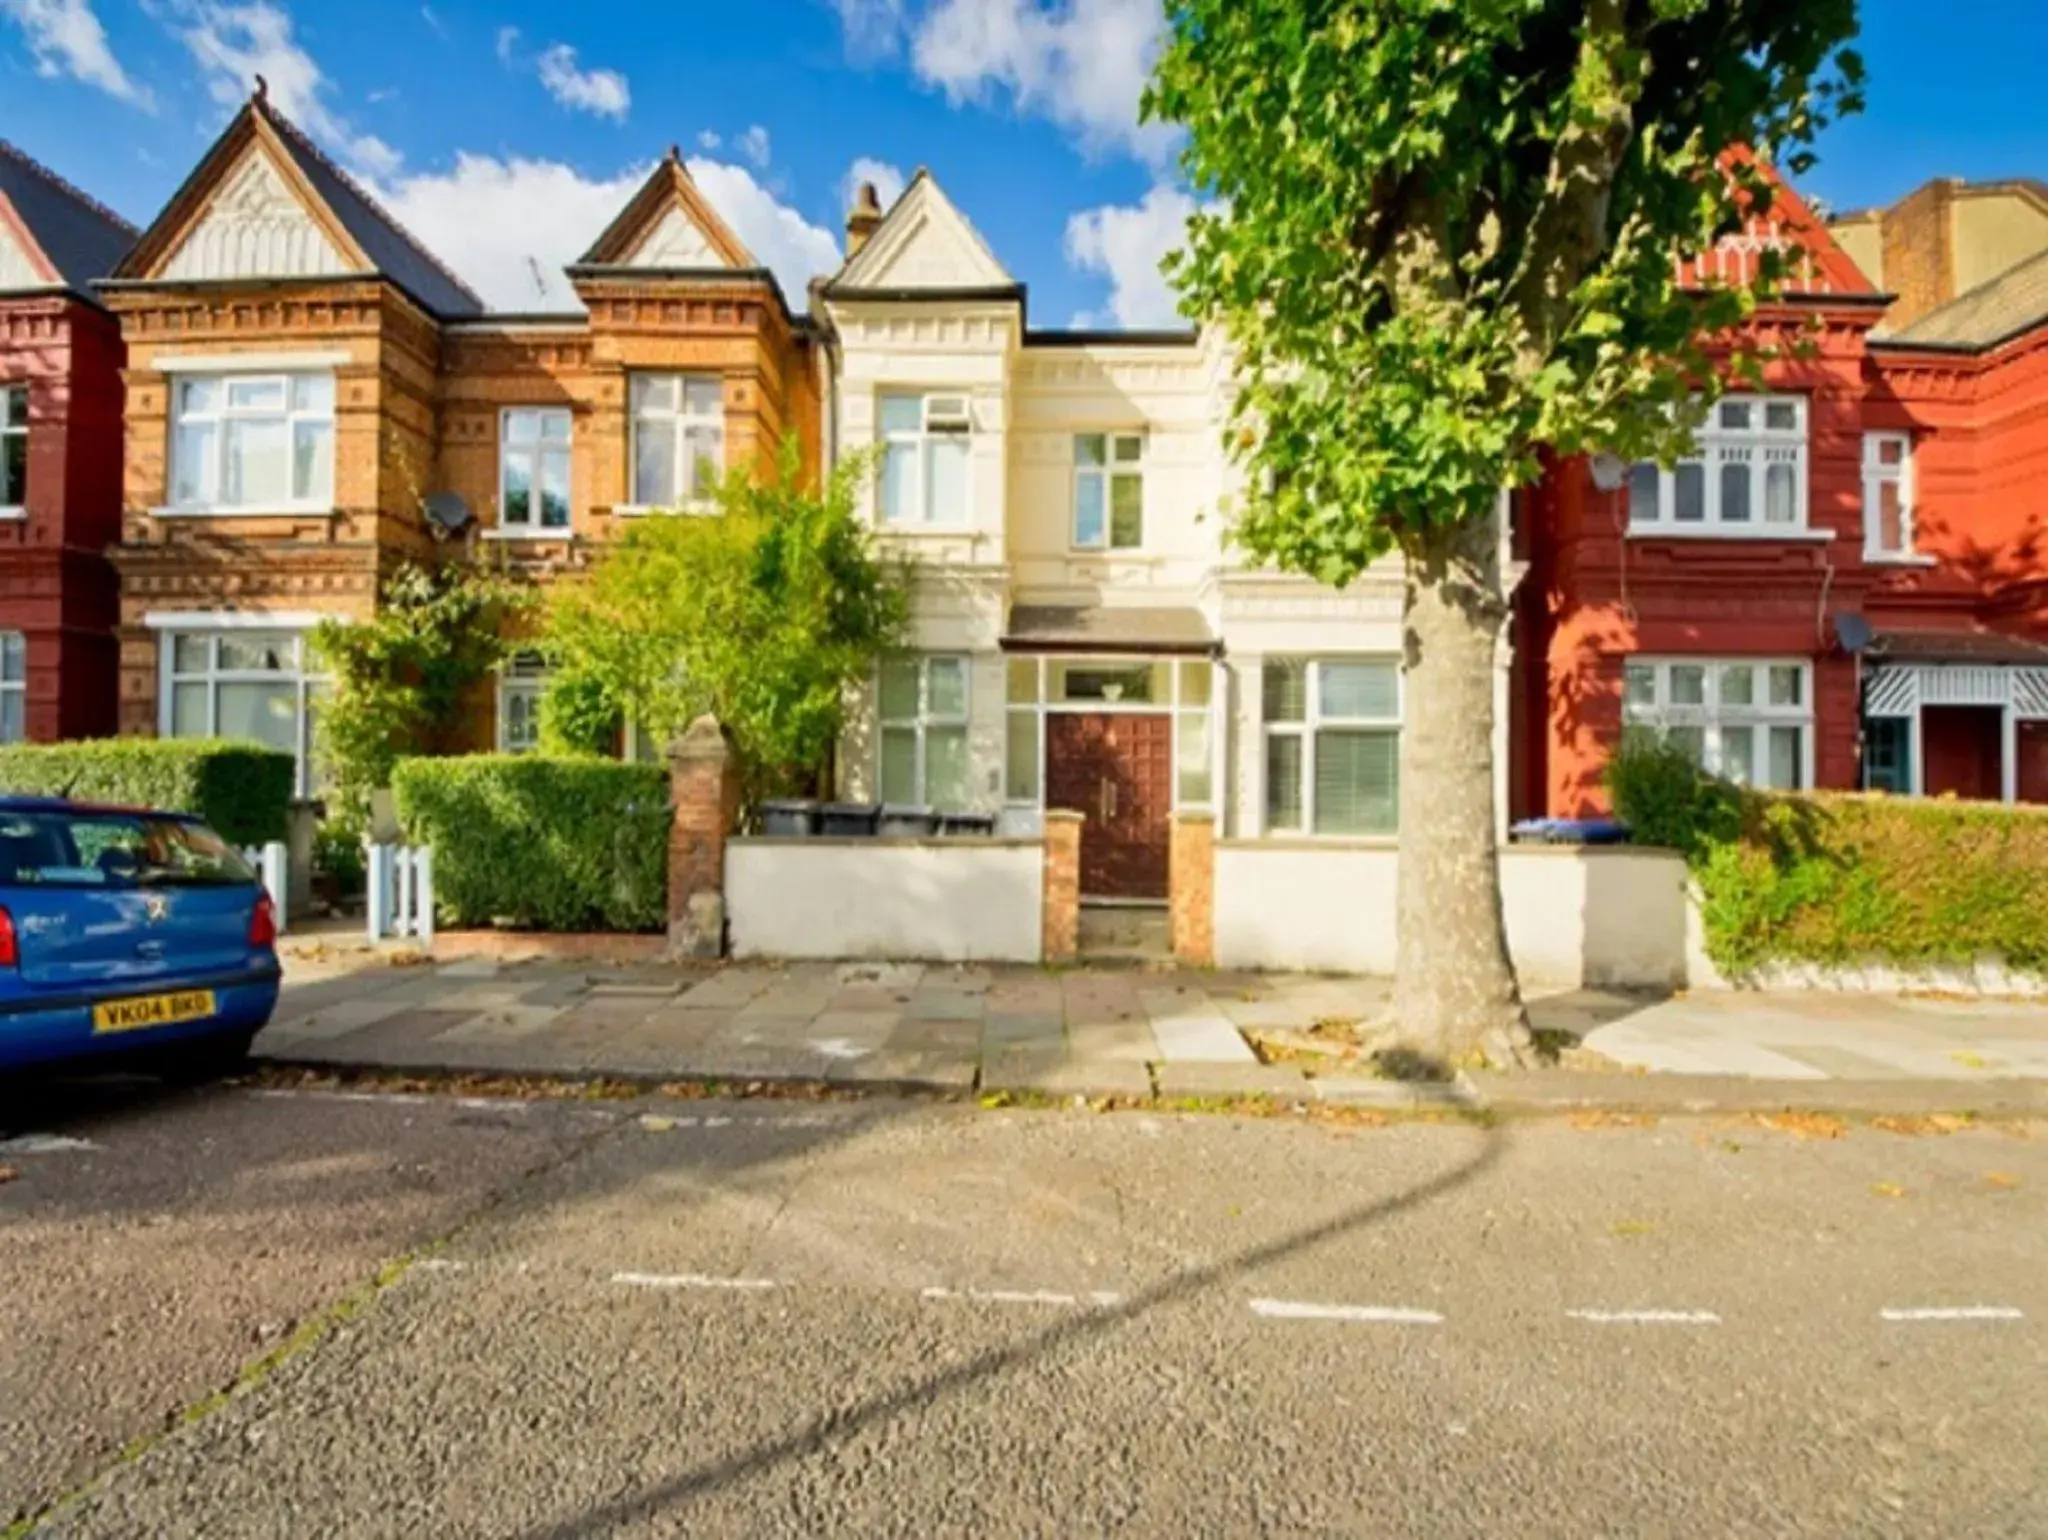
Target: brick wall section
[[1191, 889], [1919, 252], [705, 790], [1062, 885]]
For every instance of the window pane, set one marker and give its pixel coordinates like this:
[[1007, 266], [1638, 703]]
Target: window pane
[[1286, 690], [1127, 513], [1088, 449], [13, 657], [1781, 492], [1088, 510], [554, 427], [1644, 479], [518, 507], [268, 713], [1891, 452], [1781, 416], [901, 414], [256, 395], [1693, 740], [704, 455], [1191, 757], [945, 766], [192, 463], [1689, 492], [1283, 781], [1196, 682], [1787, 684], [1357, 782], [899, 475], [1738, 754], [946, 687], [1688, 684], [198, 395], [1371, 690], [1639, 685], [1020, 749], [245, 654], [522, 427], [1891, 517], [258, 463], [14, 407], [1735, 492], [14, 470], [13, 717], [188, 711], [1887, 747], [1130, 449], [313, 393], [653, 392], [945, 493], [1023, 679], [1738, 685], [1734, 414], [312, 461], [899, 764], [188, 654], [1787, 766], [554, 488], [899, 690], [703, 395], [654, 464]]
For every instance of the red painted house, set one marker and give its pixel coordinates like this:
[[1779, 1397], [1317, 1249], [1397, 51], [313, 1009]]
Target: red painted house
[[1847, 586], [60, 456]]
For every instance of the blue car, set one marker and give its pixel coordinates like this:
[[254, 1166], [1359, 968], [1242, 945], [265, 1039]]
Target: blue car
[[133, 933]]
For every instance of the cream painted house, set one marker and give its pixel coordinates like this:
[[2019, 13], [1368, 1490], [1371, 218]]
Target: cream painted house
[[1083, 636]]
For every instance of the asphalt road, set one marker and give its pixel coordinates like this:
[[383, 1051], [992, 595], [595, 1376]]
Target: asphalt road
[[881, 1318]]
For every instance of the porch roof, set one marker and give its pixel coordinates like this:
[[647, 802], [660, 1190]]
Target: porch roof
[[1956, 647], [1181, 629]]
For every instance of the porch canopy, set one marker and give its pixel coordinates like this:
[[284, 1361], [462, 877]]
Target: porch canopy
[[1912, 672], [1173, 630]]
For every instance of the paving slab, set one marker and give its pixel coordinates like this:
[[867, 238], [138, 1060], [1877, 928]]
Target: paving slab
[[1078, 1077], [1278, 1081], [1210, 1039]]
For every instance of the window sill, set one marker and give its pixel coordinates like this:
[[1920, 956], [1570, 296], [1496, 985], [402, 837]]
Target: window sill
[[501, 532], [655, 510], [216, 511], [1764, 534], [13, 514], [1108, 553], [1899, 559]]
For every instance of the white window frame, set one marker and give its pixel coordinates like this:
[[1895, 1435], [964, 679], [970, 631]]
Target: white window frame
[[13, 684], [942, 416], [1308, 729], [1717, 446], [522, 676], [1112, 469], [1712, 716], [534, 454], [1876, 476], [1033, 702], [213, 676], [10, 430], [319, 500], [925, 720], [684, 420]]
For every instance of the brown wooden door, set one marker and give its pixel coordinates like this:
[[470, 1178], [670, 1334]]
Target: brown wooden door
[[1117, 770]]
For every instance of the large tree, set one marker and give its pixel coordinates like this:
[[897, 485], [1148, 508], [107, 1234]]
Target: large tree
[[1442, 238]]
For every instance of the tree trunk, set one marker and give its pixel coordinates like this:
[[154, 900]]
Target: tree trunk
[[1455, 992]]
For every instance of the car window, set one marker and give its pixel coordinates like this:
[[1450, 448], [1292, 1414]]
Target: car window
[[114, 850]]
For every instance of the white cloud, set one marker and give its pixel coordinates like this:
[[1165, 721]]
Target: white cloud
[[707, 140], [603, 92], [1081, 63], [888, 179], [507, 44], [439, 26], [1126, 243], [754, 145], [479, 219], [874, 28], [67, 39], [234, 43]]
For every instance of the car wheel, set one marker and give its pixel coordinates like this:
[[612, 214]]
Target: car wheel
[[211, 1058]]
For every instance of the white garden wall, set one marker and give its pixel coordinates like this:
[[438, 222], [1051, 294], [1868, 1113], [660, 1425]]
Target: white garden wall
[[1575, 918], [935, 900]]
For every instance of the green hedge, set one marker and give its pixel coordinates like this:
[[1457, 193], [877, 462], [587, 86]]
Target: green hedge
[[1841, 878], [540, 843], [243, 789]]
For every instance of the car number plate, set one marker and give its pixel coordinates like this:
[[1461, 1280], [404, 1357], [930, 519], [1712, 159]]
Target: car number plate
[[152, 1011]]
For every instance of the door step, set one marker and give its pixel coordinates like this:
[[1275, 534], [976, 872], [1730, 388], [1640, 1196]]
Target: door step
[[1125, 933]]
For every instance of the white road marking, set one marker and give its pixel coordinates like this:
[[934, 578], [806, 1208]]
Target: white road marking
[[691, 1281], [1023, 1296], [44, 1144], [1955, 1313], [402, 1099], [1646, 1317], [1383, 1315]]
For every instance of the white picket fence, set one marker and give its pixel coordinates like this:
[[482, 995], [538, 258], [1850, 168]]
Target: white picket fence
[[400, 879], [271, 865]]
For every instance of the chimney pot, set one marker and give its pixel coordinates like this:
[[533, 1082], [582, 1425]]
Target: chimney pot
[[863, 218]]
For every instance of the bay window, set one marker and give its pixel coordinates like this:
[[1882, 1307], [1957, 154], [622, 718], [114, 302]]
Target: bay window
[[1888, 497], [923, 712], [1750, 721], [1109, 491], [1333, 745], [1747, 474], [533, 470], [13, 451], [678, 435], [13, 687], [925, 444], [249, 685], [252, 442]]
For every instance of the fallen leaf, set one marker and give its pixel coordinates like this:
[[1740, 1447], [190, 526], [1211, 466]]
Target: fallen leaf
[[656, 1125], [8, 1173], [1804, 1125], [1968, 1060], [1628, 1228], [2000, 1179], [1599, 1119], [1888, 1189]]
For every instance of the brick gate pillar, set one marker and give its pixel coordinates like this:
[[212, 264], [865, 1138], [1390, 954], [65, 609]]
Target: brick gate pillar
[[1191, 889], [1062, 917], [704, 786]]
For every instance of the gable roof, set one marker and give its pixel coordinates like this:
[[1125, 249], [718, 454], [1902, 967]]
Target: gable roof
[[1996, 311], [669, 217], [368, 237], [924, 245], [65, 236], [1820, 267]]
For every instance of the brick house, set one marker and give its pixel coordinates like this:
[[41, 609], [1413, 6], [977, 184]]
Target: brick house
[[304, 378], [60, 462]]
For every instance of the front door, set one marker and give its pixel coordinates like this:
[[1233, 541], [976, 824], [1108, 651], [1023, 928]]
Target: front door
[[1117, 770]]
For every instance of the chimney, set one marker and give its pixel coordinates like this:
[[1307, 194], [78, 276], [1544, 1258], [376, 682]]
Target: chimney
[[862, 219]]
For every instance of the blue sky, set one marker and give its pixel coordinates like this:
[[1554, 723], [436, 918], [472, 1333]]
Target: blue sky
[[506, 132]]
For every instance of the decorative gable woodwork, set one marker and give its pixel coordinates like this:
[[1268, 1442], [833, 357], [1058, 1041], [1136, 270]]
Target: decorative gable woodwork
[[668, 224], [21, 265], [254, 226], [924, 242], [676, 241]]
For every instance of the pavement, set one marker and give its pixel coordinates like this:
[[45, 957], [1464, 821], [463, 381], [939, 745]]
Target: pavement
[[1124, 1032], [256, 1312]]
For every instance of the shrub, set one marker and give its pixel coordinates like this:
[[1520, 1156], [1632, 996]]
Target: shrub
[[1666, 799], [242, 789], [540, 843]]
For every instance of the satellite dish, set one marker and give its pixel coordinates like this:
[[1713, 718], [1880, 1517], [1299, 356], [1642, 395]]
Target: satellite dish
[[447, 513], [1852, 631], [1609, 472]]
